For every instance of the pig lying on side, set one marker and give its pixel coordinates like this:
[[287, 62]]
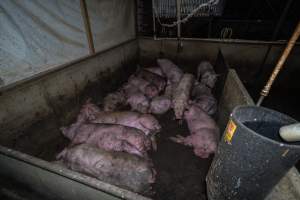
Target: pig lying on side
[[144, 122], [118, 168], [111, 137], [204, 133], [206, 73]]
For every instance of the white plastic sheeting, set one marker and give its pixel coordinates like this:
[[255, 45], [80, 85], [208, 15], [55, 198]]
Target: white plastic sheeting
[[112, 22], [38, 35]]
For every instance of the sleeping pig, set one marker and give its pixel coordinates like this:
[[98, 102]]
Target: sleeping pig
[[112, 137], [118, 168], [204, 133]]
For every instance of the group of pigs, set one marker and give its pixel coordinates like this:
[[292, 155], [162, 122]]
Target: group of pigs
[[112, 145]]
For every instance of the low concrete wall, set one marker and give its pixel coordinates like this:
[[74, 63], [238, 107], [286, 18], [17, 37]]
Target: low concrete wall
[[36, 99], [244, 56]]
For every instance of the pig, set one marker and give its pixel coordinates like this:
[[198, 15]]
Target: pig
[[204, 133], [160, 105], [87, 112], [147, 88], [182, 95], [138, 102], [118, 168], [112, 137], [203, 97], [153, 78], [207, 103], [113, 100], [200, 89], [144, 122], [136, 99], [206, 73], [172, 72], [155, 70]]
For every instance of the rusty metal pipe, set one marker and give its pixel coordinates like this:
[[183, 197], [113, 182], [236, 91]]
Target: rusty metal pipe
[[265, 91]]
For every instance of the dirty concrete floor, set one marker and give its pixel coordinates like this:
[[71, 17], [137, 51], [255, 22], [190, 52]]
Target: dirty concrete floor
[[180, 174]]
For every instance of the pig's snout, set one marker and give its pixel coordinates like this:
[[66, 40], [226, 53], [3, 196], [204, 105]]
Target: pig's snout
[[151, 91]]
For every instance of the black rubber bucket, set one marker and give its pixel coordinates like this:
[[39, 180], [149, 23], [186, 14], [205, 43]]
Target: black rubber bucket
[[251, 156]]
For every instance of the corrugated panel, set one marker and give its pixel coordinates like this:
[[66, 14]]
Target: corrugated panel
[[167, 8]]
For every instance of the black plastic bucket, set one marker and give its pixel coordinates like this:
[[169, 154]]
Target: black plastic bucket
[[251, 156]]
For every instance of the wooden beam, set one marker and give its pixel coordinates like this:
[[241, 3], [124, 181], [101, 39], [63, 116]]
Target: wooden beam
[[87, 25]]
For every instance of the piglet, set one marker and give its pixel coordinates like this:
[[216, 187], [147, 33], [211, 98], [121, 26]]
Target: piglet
[[118, 168], [113, 137], [204, 133], [206, 73], [182, 95]]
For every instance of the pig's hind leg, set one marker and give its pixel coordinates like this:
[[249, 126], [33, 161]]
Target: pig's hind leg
[[180, 140]]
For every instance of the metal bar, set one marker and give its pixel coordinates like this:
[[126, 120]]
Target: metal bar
[[87, 26], [213, 40], [280, 63], [178, 6], [153, 19]]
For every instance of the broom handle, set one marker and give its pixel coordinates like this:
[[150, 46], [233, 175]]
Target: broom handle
[[279, 65]]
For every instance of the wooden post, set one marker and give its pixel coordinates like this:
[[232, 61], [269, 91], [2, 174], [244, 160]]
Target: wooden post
[[87, 26], [279, 65]]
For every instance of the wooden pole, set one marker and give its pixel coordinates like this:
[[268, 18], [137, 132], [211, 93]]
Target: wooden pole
[[280, 64], [87, 25]]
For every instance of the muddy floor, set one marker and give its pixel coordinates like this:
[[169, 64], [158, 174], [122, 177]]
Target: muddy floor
[[180, 174]]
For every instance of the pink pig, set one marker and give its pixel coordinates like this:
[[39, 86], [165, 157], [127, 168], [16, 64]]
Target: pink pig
[[204, 133]]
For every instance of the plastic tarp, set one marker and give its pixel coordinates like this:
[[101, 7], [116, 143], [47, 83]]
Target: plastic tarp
[[39, 35]]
